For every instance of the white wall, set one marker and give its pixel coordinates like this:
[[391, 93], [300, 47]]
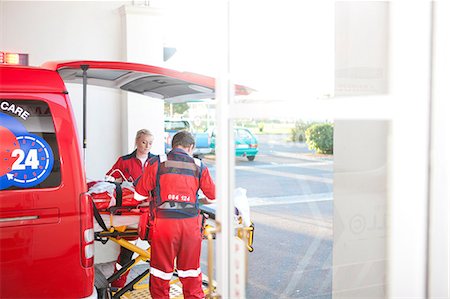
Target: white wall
[[143, 31], [85, 30], [62, 30]]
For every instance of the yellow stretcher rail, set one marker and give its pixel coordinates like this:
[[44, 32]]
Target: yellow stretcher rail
[[209, 233], [246, 234]]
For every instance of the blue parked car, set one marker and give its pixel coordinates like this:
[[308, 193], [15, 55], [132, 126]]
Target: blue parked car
[[246, 144], [202, 142]]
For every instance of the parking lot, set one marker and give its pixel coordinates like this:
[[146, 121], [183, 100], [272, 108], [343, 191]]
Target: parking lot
[[290, 193]]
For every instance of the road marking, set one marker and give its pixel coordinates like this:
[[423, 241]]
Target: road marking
[[303, 156], [291, 175], [302, 266], [275, 165], [291, 199]]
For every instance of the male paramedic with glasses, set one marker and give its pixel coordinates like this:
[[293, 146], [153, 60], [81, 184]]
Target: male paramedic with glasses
[[174, 180]]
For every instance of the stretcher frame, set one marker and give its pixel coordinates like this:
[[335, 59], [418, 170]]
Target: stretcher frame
[[120, 233]]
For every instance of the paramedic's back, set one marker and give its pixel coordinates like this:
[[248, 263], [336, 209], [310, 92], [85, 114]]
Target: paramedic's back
[[175, 181]]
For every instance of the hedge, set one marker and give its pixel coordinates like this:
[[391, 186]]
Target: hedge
[[298, 132], [319, 137]]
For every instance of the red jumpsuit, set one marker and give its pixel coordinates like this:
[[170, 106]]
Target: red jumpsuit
[[129, 165], [177, 225], [132, 168]]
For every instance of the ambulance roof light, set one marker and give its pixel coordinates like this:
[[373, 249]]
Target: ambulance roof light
[[13, 58]]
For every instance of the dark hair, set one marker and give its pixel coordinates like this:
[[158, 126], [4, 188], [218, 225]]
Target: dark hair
[[183, 138]]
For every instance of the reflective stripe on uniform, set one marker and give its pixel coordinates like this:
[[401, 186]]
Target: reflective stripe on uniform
[[176, 206], [189, 273], [139, 197], [180, 164], [160, 274]]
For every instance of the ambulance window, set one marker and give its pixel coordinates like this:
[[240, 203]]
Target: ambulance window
[[29, 156]]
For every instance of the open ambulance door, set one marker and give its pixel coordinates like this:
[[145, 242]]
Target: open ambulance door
[[156, 82]]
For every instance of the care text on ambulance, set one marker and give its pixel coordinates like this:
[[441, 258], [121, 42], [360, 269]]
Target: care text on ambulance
[[6, 106]]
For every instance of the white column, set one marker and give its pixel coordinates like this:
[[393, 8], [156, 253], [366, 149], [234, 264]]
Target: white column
[[439, 231], [410, 40], [143, 30], [224, 165]]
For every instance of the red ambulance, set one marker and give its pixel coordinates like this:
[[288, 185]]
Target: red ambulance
[[46, 218]]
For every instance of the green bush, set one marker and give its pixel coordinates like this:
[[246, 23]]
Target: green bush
[[319, 137], [298, 132]]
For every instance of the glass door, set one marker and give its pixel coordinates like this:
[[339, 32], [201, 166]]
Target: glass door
[[363, 69]]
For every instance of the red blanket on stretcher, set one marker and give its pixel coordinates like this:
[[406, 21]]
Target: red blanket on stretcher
[[109, 194]]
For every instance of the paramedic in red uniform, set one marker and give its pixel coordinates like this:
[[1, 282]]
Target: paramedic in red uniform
[[131, 166], [175, 180]]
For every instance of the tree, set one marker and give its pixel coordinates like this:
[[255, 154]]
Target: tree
[[176, 108]]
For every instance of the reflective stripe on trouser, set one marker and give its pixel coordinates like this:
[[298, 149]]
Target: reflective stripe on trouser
[[180, 240]]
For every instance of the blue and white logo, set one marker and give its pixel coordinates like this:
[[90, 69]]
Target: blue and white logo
[[26, 159]]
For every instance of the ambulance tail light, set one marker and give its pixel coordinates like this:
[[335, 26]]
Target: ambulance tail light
[[13, 58], [87, 231], [254, 145]]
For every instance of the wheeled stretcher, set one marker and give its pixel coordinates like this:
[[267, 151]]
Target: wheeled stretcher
[[124, 224]]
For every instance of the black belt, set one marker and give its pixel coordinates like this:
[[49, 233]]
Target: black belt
[[176, 213]]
